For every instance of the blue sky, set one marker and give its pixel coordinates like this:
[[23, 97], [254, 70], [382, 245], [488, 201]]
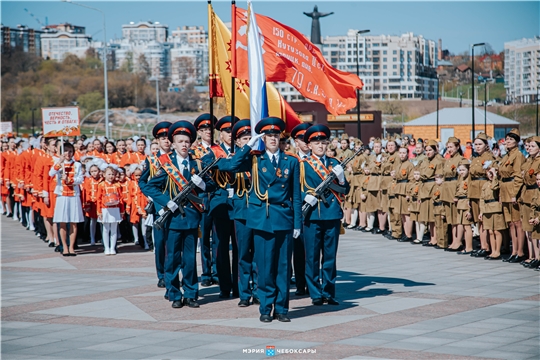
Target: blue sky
[[457, 23]]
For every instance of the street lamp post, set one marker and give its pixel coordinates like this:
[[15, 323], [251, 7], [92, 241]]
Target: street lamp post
[[437, 126], [358, 90], [17, 124], [537, 109], [104, 63], [485, 107], [33, 127], [472, 78]]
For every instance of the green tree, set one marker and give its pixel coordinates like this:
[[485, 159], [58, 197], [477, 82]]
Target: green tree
[[91, 101]]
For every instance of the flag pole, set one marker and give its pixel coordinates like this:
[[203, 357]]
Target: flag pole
[[233, 66], [209, 81]]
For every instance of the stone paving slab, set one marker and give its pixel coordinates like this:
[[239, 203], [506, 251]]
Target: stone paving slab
[[397, 302]]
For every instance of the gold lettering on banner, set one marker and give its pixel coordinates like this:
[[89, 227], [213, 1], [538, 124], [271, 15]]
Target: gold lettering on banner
[[349, 117]]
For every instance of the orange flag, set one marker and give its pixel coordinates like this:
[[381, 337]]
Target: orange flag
[[289, 56], [220, 77]]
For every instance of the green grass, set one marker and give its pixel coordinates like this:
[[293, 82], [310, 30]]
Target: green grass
[[495, 91]]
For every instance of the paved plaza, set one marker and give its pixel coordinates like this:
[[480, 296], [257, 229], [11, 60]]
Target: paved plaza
[[397, 301]]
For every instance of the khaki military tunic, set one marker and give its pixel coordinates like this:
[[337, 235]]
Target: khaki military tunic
[[428, 169], [490, 207], [389, 163], [462, 203], [477, 178], [439, 214], [404, 174], [535, 205], [528, 191], [344, 154], [449, 187], [413, 190], [511, 183]]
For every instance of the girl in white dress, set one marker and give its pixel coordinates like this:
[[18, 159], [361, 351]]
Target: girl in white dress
[[110, 208], [68, 208]]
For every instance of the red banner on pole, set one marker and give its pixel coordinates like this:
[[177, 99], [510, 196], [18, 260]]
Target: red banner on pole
[[289, 56]]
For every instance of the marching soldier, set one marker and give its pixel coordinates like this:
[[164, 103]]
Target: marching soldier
[[151, 167], [299, 254], [322, 224], [204, 124], [220, 209], [177, 169], [275, 214]]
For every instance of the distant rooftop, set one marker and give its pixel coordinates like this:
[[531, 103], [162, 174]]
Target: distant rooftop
[[461, 116]]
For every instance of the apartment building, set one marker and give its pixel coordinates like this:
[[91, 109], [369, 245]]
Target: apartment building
[[189, 35], [391, 67], [522, 69], [145, 31], [59, 40], [29, 40]]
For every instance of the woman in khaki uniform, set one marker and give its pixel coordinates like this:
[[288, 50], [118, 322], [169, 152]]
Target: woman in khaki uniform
[[535, 221], [530, 168], [464, 213], [413, 191], [428, 168], [404, 174], [491, 215], [511, 183], [477, 178], [450, 185], [369, 199], [390, 162], [376, 184]]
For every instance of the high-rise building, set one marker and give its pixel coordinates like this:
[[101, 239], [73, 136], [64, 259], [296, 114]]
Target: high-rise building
[[522, 69], [189, 64], [150, 57], [145, 31], [189, 35], [29, 40], [391, 67], [59, 40]]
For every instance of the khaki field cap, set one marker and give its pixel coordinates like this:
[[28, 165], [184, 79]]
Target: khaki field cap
[[432, 143], [453, 140], [344, 136], [359, 142], [515, 132], [481, 136], [535, 139]]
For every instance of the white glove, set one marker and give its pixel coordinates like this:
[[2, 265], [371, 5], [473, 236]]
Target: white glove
[[311, 200], [231, 193], [296, 233], [172, 206], [254, 140], [198, 181], [338, 170]]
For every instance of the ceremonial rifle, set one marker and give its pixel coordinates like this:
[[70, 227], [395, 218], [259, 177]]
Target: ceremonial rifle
[[328, 183], [182, 198]]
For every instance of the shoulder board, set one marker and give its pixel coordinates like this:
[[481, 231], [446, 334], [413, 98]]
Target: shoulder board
[[255, 152]]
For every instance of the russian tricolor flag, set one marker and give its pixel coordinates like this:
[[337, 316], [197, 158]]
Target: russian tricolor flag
[[257, 78]]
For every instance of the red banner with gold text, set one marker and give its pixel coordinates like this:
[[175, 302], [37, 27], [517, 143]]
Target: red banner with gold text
[[290, 57]]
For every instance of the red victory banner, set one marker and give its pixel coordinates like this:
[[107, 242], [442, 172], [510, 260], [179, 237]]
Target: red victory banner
[[289, 56]]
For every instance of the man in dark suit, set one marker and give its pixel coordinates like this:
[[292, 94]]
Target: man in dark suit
[[220, 209], [323, 223], [275, 214], [177, 169], [151, 166]]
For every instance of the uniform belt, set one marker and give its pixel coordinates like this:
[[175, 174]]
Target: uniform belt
[[490, 201], [429, 180], [507, 179], [461, 197], [402, 181], [531, 187], [479, 178], [450, 178], [391, 196], [375, 174], [414, 198], [437, 203]]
